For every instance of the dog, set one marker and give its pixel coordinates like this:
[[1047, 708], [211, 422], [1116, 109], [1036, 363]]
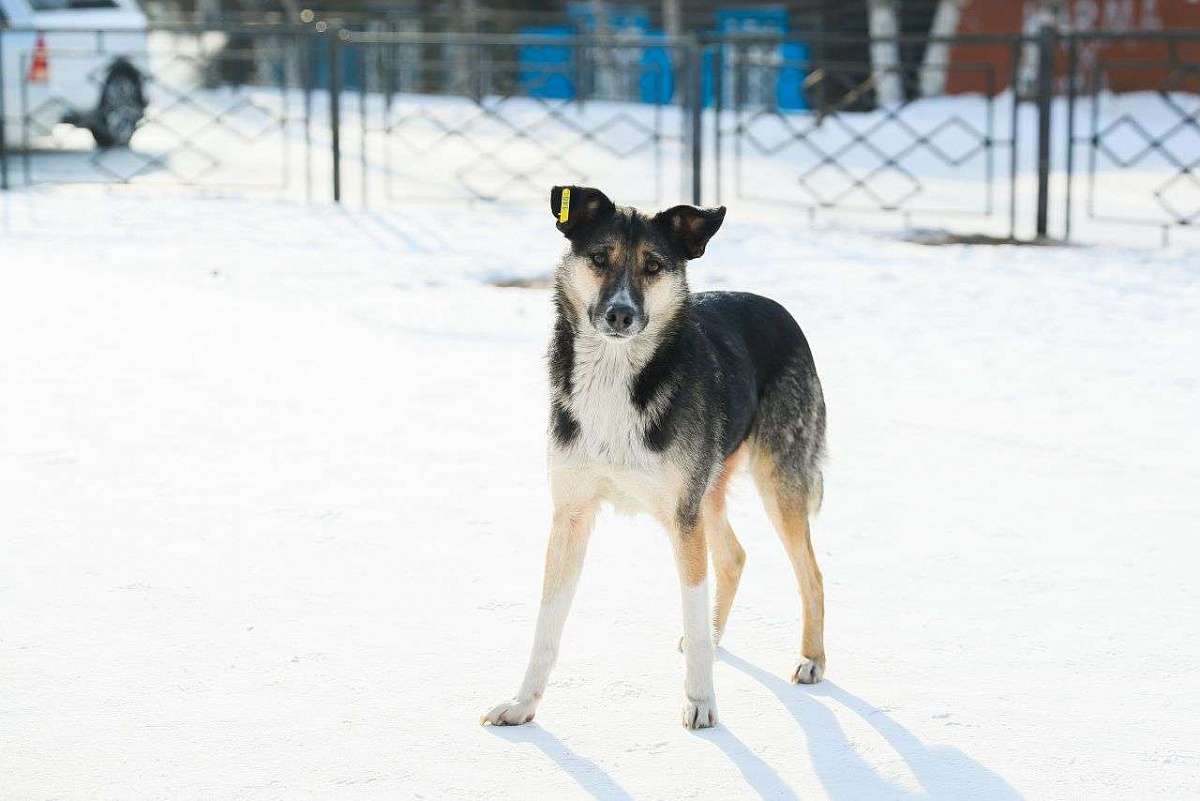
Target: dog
[[658, 395]]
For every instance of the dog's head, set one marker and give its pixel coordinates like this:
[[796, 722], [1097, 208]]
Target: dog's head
[[626, 271]]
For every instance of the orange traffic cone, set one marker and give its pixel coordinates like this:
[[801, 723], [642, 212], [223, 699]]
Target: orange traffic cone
[[39, 67]]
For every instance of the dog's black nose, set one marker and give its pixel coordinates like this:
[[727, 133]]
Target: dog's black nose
[[620, 318]]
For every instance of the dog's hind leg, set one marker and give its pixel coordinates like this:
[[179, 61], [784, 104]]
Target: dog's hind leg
[[788, 503], [728, 557], [786, 448], [569, 534]]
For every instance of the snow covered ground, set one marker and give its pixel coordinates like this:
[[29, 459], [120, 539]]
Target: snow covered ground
[[272, 513]]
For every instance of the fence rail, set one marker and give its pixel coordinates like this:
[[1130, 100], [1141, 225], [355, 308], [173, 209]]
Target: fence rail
[[509, 115], [1155, 145], [802, 121], [843, 149]]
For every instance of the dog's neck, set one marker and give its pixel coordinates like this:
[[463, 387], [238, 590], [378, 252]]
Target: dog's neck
[[577, 335], [580, 355], [612, 390]]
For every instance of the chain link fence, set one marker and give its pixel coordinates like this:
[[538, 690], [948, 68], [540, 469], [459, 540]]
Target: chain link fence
[[1026, 135]]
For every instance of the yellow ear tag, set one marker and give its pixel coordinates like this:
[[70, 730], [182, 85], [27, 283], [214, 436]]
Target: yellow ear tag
[[564, 205]]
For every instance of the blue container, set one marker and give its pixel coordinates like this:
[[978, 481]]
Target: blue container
[[351, 64], [545, 70], [656, 84], [789, 89], [793, 56]]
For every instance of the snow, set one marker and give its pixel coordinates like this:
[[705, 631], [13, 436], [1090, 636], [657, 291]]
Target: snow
[[273, 513]]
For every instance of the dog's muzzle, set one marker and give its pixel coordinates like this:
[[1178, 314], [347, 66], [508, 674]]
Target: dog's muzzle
[[620, 320]]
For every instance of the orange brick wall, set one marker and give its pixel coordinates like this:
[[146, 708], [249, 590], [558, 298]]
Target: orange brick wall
[[1013, 16]]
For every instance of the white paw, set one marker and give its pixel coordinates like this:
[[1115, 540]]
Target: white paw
[[510, 713], [809, 671], [699, 714]]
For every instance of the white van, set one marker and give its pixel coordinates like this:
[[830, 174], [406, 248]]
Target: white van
[[80, 62]]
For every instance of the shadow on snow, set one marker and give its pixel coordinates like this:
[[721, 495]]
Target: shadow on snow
[[943, 772]]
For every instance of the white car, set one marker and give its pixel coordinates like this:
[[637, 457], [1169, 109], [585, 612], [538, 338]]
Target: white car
[[74, 61]]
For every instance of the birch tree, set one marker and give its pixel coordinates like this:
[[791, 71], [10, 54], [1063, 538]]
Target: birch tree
[[885, 52], [1037, 14], [937, 54]]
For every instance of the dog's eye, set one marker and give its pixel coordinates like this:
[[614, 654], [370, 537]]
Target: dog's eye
[[653, 266], [600, 258]]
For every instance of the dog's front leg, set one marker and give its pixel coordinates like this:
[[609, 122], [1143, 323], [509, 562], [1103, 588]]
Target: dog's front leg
[[691, 558], [564, 561]]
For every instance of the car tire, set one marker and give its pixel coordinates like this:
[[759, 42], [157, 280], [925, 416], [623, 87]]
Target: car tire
[[120, 109]]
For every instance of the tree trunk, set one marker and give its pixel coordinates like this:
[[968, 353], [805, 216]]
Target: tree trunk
[[885, 55], [672, 17], [465, 59], [937, 54], [1045, 13]]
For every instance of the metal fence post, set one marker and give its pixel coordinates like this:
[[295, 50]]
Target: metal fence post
[[718, 84], [1072, 92], [335, 109], [310, 77], [695, 94], [3, 123], [1047, 46]]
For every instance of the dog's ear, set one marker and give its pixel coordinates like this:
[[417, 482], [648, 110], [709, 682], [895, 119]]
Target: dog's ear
[[577, 207], [690, 228]]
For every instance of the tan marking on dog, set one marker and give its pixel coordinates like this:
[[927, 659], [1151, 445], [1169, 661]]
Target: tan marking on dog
[[662, 295], [582, 284], [574, 513], [616, 252], [662, 496], [644, 251], [788, 509], [691, 554], [715, 496], [568, 536], [728, 556]]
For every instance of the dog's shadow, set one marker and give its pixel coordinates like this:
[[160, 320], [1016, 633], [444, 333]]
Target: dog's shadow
[[943, 772], [586, 773]]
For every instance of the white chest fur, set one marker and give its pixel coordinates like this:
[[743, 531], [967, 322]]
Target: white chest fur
[[612, 430]]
